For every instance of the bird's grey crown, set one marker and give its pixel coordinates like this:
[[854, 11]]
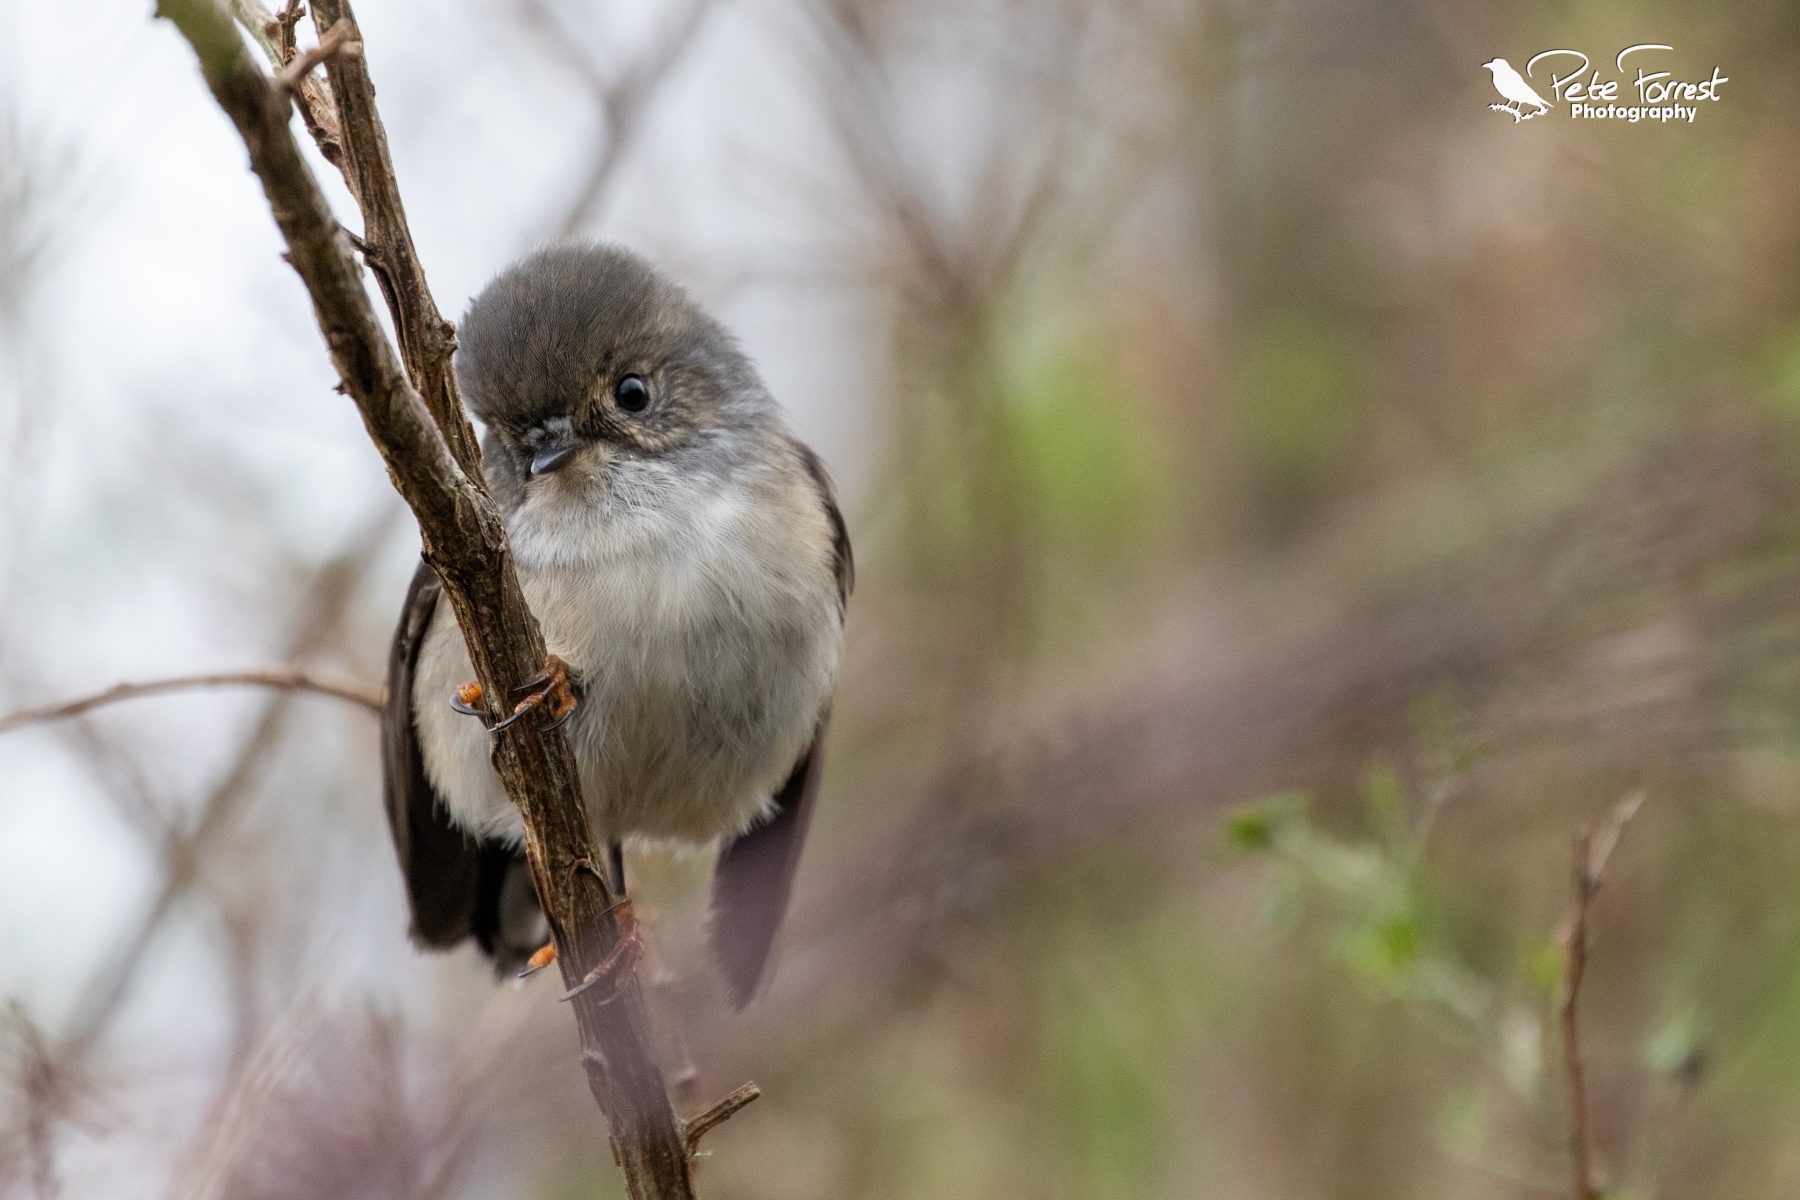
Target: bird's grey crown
[[547, 332]]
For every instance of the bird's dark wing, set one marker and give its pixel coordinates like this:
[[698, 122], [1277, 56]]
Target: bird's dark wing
[[753, 878], [755, 872], [453, 881], [843, 561]]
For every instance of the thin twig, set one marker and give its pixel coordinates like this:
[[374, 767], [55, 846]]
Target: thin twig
[[280, 45], [290, 678], [426, 339], [621, 96], [260, 24], [183, 849], [285, 31], [47, 1094], [339, 39], [1592, 850], [692, 1131]]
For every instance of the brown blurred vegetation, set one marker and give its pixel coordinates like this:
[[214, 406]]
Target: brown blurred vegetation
[[1305, 498]]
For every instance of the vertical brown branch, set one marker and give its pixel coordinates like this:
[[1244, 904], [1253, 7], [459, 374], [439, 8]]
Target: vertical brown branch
[[1581, 1136], [426, 339], [1591, 853]]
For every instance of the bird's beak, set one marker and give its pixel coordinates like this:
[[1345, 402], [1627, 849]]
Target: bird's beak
[[553, 453]]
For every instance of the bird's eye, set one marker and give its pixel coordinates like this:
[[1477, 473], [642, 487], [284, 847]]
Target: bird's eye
[[632, 394]]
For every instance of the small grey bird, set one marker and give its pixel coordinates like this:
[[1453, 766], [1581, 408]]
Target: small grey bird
[[687, 560]]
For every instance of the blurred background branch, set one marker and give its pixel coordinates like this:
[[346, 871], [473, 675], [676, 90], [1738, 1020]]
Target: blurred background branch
[[1593, 847], [1289, 498], [620, 91], [318, 622], [279, 678]]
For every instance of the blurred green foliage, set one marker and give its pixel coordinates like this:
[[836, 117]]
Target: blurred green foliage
[[1097, 481], [1298, 395]]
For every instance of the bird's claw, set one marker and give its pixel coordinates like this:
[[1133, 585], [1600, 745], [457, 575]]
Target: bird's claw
[[553, 687], [616, 969], [541, 958]]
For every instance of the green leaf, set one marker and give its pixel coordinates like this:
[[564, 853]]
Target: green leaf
[[1256, 826]]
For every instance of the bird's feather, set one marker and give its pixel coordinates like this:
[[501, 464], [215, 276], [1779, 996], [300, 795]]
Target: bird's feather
[[843, 560], [454, 883], [755, 872], [754, 875]]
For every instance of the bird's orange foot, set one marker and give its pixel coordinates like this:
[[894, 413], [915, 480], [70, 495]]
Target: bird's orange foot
[[553, 690], [617, 968], [545, 955]]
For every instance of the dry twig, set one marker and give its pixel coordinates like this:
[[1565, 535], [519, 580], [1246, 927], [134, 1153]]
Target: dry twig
[[336, 40], [45, 1094], [183, 850], [621, 96], [1592, 849], [280, 44], [414, 416], [692, 1131], [426, 339], [288, 678]]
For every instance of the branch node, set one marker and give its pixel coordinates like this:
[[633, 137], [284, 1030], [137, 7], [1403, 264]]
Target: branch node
[[281, 30], [339, 39], [692, 1131]]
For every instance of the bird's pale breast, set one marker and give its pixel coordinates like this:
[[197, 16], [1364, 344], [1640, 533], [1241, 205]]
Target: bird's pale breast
[[701, 619]]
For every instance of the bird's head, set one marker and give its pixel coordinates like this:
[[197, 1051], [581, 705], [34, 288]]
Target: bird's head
[[582, 359], [1495, 65]]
